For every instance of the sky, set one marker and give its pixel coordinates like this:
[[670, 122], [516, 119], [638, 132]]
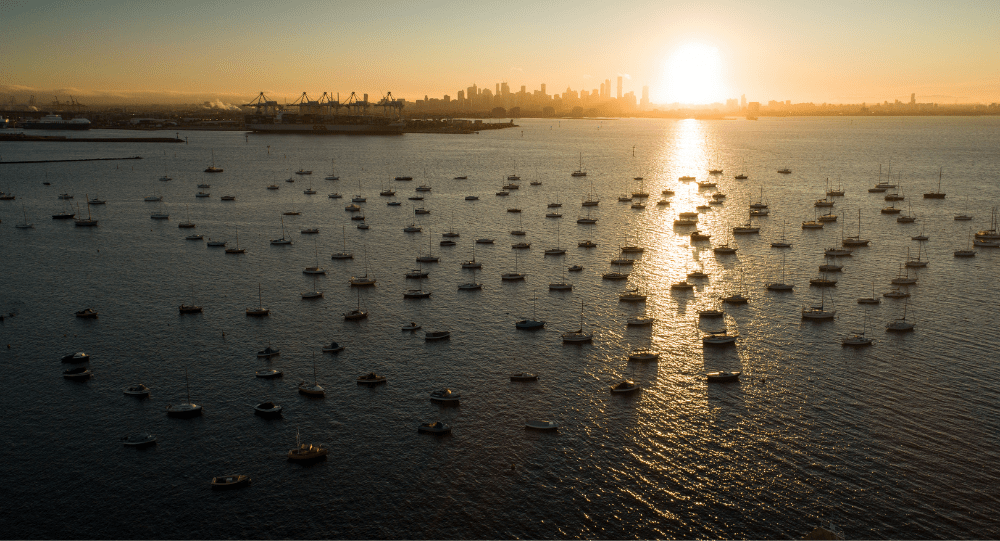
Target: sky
[[229, 50]]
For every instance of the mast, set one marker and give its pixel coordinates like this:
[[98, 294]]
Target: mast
[[188, 387], [260, 303]]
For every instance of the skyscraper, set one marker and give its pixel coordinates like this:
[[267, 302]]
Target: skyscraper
[[619, 87], [607, 89]]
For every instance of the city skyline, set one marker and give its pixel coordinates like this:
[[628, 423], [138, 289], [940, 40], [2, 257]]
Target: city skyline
[[196, 51]]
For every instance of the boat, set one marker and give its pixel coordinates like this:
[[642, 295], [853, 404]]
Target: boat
[[900, 325], [711, 312], [312, 390], [780, 286], [545, 426], [858, 339], [644, 355], [822, 282], [139, 440], [24, 225], [785, 171], [56, 122], [363, 281], [267, 352], [697, 235], [413, 326], [187, 409], [513, 276], [310, 231], [576, 268], [484, 241], [445, 396], [590, 201], [900, 279], [724, 249], [587, 244], [333, 347], [237, 249], [969, 252], [371, 378], [686, 178], [921, 236], [463, 177], [430, 336], [533, 323], [639, 321], [260, 310], [190, 309], [918, 262], [631, 295], [870, 300], [891, 209], [434, 428], [472, 263], [333, 172], [212, 168], [267, 409], [393, 204], [78, 357], [357, 313], [87, 313], [908, 218], [226, 482], [315, 269], [722, 376], [203, 194], [556, 250], [473, 285], [306, 452], [625, 386], [430, 257], [88, 222], [578, 336], [855, 241], [335, 195], [403, 179], [719, 338], [579, 172], [416, 294], [783, 243], [78, 373], [896, 293], [187, 224], [524, 376], [472, 198], [819, 313], [204, 185], [283, 240], [268, 374]]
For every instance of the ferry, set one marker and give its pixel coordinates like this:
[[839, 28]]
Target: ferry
[[56, 122]]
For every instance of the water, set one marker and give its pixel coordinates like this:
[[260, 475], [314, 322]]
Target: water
[[897, 440]]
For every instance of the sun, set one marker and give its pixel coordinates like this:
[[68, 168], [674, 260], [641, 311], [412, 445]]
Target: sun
[[693, 75]]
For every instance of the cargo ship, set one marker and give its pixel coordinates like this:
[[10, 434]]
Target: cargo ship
[[56, 122], [283, 122]]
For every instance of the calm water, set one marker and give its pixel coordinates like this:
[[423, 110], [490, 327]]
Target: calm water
[[897, 440]]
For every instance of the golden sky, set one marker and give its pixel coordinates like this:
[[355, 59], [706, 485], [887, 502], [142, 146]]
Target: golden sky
[[835, 52]]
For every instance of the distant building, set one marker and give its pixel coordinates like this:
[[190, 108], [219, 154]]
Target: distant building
[[913, 99], [743, 101], [644, 104], [619, 87]]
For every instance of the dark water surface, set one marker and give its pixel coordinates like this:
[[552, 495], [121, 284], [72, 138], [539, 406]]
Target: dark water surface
[[898, 440]]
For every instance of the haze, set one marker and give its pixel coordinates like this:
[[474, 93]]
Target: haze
[[836, 52]]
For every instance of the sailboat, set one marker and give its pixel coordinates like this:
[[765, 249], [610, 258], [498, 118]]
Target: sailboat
[[345, 254], [283, 239], [918, 262], [363, 281], [333, 172], [212, 168], [968, 252], [783, 243], [901, 280], [357, 313], [313, 390], [236, 250], [870, 300], [260, 310], [591, 201], [921, 236], [964, 217], [855, 240], [315, 269], [781, 286], [513, 276], [187, 409], [24, 225], [532, 323], [561, 286], [89, 221], [472, 263], [190, 308], [938, 194], [579, 172], [900, 325], [188, 224], [858, 339], [468, 286], [430, 257], [557, 250], [578, 336], [820, 312], [358, 198]]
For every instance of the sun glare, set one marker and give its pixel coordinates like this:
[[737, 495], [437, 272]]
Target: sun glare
[[693, 74]]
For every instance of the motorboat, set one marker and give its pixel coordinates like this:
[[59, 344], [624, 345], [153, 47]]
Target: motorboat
[[304, 452], [698, 235], [639, 321], [412, 228], [546, 426], [352, 208], [335, 195], [722, 376], [333, 347], [445, 396], [644, 355], [524, 376], [625, 386], [434, 428], [785, 171], [430, 336], [631, 295], [683, 285], [184, 410], [484, 241], [310, 231], [267, 409], [711, 312], [587, 244], [683, 222], [371, 378], [697, 275], [138, 390], [139, 440], [87, 313], [471, 198], [216, 243], [838, 252], [268, 352], [416, 294], [662, 203], [413, 326], [576, 268], [303, 172], [78, 373], [270, 187], [268, 374], [719, 338], [228, 198], [78, 357], [736, 298]]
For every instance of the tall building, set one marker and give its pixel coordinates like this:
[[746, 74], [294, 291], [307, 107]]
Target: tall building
[[619, 87], [913, 99], [607, 89], [743, 101], [645, 97], [602, 90], [543, 90]]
